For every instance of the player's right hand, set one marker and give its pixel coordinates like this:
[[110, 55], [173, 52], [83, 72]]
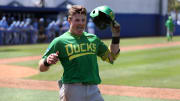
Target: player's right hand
[[53, 58], [115, 29]]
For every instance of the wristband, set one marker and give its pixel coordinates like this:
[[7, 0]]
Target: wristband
[[46, 63], [115, 40]]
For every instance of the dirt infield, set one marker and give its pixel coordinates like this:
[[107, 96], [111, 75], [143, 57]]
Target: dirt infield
[[11, 71], [162, 93], [10, 76]]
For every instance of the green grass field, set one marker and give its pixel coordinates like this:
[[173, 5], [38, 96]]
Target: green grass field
[[14, 94], [157, 67]]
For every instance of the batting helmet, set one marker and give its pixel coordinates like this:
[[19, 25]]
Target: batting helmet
[[102, 16]]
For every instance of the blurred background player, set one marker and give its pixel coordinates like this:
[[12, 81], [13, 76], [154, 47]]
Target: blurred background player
[[65, 25], [91, 27], [170, 28]]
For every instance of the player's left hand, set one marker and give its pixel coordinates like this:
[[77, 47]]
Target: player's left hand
[[115, 29]]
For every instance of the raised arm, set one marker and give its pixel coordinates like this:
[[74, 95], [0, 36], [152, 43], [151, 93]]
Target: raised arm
[[114, 47]]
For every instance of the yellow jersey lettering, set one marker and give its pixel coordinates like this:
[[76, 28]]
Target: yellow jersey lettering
[[89, 47], [82, 49], [94, 47], [69, 49], [76, 48]]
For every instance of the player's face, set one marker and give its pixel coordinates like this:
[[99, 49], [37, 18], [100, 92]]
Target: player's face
[[77, 24]]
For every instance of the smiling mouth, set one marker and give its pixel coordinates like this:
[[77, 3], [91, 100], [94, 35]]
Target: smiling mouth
[[80, 28]]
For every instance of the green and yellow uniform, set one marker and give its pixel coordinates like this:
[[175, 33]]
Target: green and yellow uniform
[[78, 56], [170, 28], [169, 24]]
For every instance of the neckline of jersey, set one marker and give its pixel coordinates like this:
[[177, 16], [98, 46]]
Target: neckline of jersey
[[76, 36]]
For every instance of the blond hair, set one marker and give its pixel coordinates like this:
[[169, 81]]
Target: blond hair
[[76, 9]]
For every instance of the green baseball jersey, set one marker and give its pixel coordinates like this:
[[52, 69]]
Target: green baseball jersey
[[78, 56], [169, 24]]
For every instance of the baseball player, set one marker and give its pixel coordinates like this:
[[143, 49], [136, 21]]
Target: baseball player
[[170, 28], [77, 51]]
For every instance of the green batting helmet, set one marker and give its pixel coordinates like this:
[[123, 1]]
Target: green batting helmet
[[102, 16]]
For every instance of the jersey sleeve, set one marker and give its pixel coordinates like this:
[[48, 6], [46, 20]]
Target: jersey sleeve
[[104, 52], [52, 48]]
